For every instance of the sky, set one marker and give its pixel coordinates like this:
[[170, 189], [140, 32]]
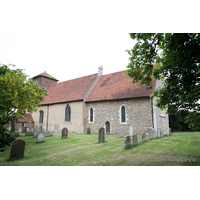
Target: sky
[[66, 55]]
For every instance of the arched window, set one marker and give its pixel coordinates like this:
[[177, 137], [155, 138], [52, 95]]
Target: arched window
[[123, 114], [41, 117], [91, 115], [68, 113]]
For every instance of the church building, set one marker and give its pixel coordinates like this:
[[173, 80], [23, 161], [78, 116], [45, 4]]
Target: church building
[[111, 101]]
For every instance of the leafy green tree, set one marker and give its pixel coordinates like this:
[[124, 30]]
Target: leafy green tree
[[18, 95], [174, 59]]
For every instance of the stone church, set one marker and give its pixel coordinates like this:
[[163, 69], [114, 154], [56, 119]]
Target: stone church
[[111, 101]]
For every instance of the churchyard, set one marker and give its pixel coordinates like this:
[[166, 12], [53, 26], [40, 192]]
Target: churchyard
[[178, 149]]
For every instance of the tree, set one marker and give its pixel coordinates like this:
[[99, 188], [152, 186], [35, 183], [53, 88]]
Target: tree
[[18, 95], [174, 59]]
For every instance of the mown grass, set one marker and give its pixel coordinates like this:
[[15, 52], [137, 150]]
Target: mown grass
[[179, 149]]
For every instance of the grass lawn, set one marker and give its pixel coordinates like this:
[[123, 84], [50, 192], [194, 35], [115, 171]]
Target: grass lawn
[[179, 149]]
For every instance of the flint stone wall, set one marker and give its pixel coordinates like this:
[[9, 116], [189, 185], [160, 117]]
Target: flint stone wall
[[138, 115]]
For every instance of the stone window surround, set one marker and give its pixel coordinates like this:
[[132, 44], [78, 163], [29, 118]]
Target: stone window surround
[[126, 119], [70, 113], [43, 116], [93, 116]]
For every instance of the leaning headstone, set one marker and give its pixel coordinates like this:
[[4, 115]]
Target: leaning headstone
[[101, 135], [158, 132], [64, 133], [131, 131], [135, 141], [121, 132], [144, 137], [80, 129], [49, 133], [17, 149], [24, 129], [127, 142], [40, 137], [56, 128], [88, 131]]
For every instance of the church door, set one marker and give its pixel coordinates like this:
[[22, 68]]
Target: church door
[[107, 127]]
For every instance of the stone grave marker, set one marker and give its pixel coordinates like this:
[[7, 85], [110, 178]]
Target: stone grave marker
[[158, 132], [101, 135], [24, 129], [127, 142], [17, 149], [56, 128], [135, 141], [161, 132], [121, 132], [40, 137], [80, 129], [144, 137], [16, 133], [131, 131], [170, 131], [64, 133], [88, 131], [151, 133], [49, 133]]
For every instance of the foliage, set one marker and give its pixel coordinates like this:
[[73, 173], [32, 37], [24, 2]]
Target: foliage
[[174, 59], [18, 95]]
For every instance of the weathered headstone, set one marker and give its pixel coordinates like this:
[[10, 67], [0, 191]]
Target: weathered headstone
[[161, 132], [24, 129], [127, 141], [144, 137], [158, 132], [131, 131], [17, 149], [88, 131], [49, 133], [40, 137], [170, 131], [152, 133], [56, 128], [13, 125], [121, 132], [16, 133], [64, 133], [80, 129], [36, 129], [135, 141], [101, 135]]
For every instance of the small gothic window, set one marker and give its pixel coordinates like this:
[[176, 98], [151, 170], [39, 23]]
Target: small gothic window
[[91, 115], [123, 118], [68, 113], [41, 117]]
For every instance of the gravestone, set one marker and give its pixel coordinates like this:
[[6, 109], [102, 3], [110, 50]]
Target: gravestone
[[170, 131], [135, 141], [14, 126], [121, 132], [40, 137], [24, 129], [49, 133], [56, 128], [131, 131], [158, 132], [127, 141], [144, 137], [64, 133], [16, 133], [101, 135], [88, 131], [161, 132], [80, 129], [151, 133], [17, 149], [36, 129]]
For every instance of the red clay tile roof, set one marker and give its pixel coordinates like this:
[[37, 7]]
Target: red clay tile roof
[[27, 118], [118, 86], [46, 75], [72, 90]]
